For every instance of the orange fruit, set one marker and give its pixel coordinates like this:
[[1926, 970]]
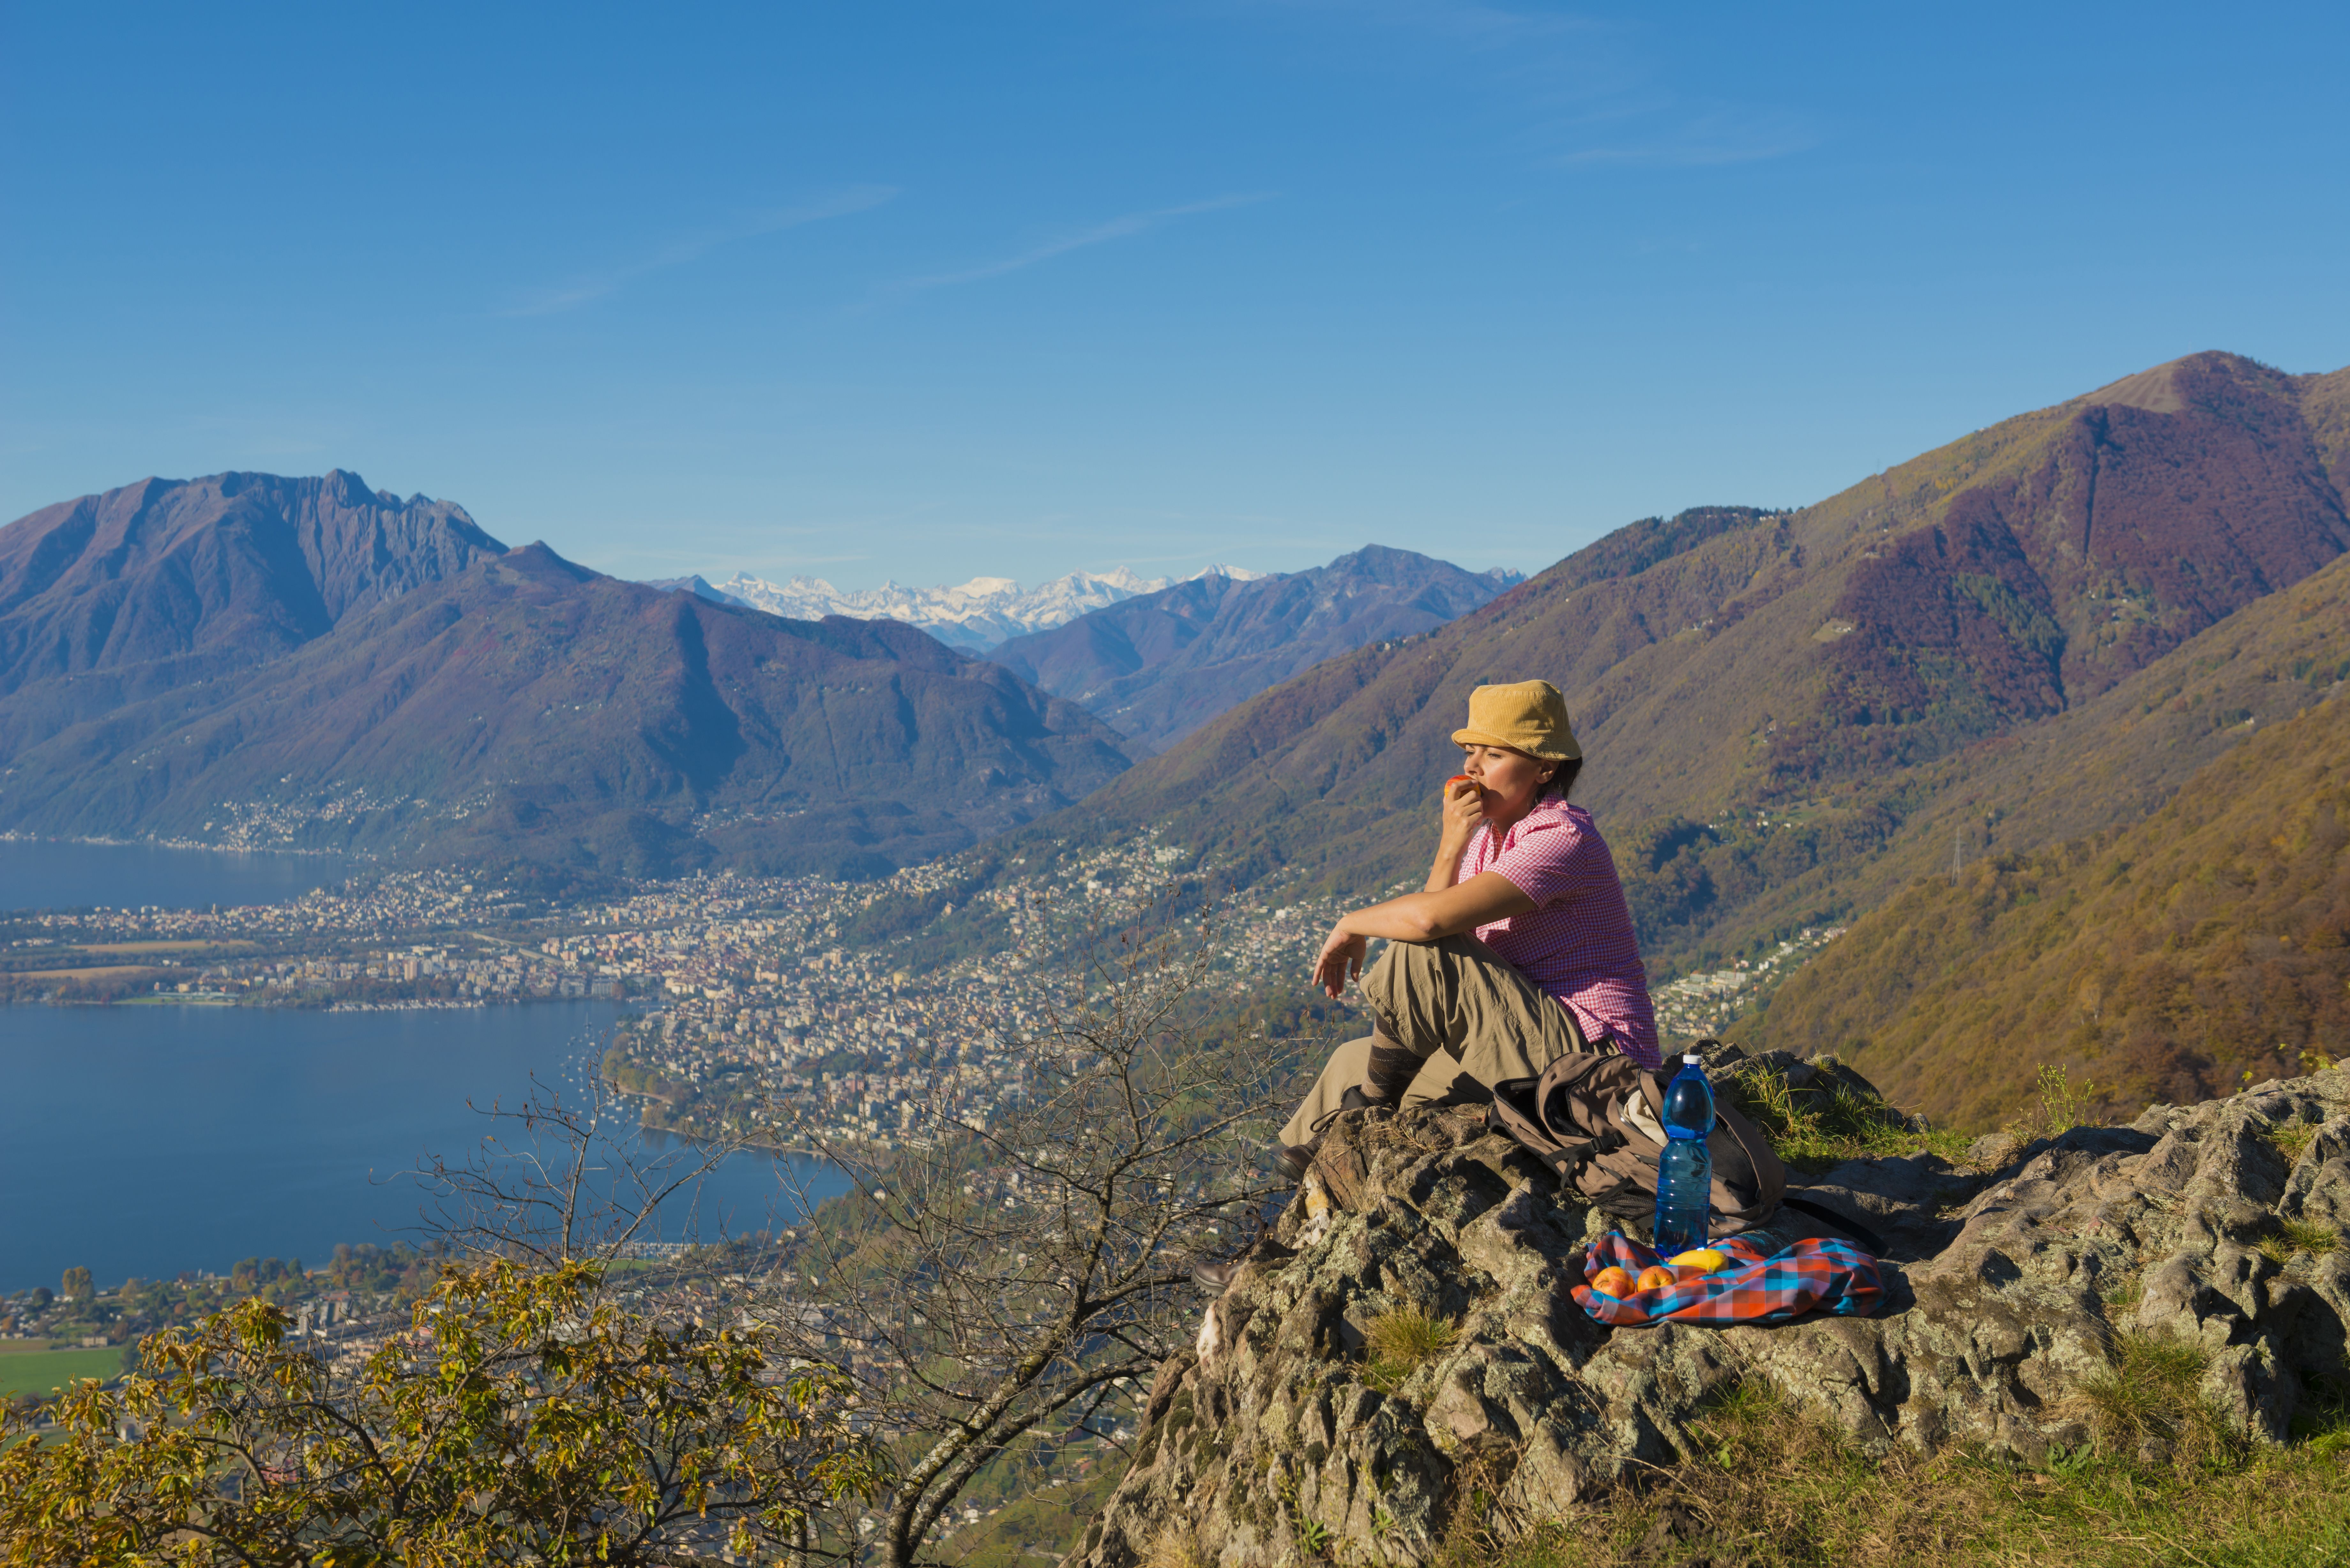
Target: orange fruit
[[1614, 1282], [1655, 1277]]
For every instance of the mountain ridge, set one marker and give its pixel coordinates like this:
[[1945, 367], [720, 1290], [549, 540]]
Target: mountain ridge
[[1158, 666], [150, 586], [520, 706], [974, 616]]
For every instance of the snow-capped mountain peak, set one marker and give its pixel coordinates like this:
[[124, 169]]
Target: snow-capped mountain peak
[[973, 616]]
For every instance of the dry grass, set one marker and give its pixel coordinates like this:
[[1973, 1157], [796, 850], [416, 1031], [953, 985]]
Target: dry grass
[[1776, 1488], [2058, 1109], [1175, 1547], [1817, 1132], [2147, 1404], [1400, 1341]]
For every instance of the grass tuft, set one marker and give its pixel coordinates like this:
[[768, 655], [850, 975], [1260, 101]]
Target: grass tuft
[[2291, 1139], [2321, 1419], [1400, 1341], [2293, 1236]]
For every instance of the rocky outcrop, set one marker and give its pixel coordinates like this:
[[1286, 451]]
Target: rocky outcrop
[[2015, 1275]]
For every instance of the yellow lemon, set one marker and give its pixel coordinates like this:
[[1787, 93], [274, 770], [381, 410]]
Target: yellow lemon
[[1706, 1260]]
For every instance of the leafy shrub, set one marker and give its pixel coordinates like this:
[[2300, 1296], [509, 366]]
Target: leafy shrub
[[2062, 1107], [522, 1418]]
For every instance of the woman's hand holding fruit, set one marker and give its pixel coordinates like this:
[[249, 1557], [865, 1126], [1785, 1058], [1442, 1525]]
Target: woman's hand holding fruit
[[1463, 808]]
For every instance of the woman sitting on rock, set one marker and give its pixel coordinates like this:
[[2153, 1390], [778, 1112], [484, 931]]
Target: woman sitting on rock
[[1520, 950]]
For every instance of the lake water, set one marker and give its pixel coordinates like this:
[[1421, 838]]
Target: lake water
[[39, 874], [151, 1139]]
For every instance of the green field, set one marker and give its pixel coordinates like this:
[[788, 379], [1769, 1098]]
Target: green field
[[39, 1371]]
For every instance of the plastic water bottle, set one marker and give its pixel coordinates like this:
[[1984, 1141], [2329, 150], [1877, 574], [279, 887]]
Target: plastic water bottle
[[1684, 1168]]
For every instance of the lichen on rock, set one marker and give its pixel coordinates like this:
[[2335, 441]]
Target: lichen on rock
[[1278, 1438]]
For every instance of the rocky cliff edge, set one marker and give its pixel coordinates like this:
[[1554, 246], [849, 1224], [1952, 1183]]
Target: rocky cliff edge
[[2020, 1277]]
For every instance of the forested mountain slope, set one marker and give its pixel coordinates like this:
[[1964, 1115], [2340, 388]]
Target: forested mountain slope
[[1158, 666], [2203, 948], [2108, 760], [1766, 700]]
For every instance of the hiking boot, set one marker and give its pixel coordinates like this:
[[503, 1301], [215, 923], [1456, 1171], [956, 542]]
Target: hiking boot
[[1216, 1278], [1292, 1159]]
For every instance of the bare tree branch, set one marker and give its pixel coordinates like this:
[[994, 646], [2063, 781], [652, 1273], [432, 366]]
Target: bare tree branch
[[996, 1286]]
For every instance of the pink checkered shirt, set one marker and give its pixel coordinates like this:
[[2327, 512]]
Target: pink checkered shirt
[[1577, 943]]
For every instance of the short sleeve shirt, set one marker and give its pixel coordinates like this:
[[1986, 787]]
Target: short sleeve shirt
[[1577, 943]]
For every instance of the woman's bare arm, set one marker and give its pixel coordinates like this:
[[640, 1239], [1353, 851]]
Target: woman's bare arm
[[1416, 918], [1432, 917]]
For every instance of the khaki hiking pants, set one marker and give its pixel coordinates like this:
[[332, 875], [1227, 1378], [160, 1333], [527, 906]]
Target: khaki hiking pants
[[1457, 1005]]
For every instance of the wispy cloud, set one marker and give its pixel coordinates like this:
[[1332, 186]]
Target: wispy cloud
[[1567, 74], [692, 247], [1120, 228]]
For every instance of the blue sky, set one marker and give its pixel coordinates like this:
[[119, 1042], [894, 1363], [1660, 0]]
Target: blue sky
[[926, 291]]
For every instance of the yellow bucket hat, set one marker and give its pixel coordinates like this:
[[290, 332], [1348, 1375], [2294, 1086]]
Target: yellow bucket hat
[[1527, 716]]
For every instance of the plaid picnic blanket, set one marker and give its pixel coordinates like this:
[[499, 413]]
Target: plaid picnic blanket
[[1819, 1274]]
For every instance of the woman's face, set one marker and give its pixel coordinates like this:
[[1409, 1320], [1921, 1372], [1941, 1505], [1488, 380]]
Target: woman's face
[[1509, 779]]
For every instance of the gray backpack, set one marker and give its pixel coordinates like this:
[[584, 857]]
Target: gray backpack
[[1597, 1119]]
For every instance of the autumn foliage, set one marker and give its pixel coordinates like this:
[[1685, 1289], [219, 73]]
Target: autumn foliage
[[2162, 961], [521, 1418]]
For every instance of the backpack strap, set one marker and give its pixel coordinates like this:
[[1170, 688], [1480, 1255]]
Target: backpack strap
[[1566, 1155]]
